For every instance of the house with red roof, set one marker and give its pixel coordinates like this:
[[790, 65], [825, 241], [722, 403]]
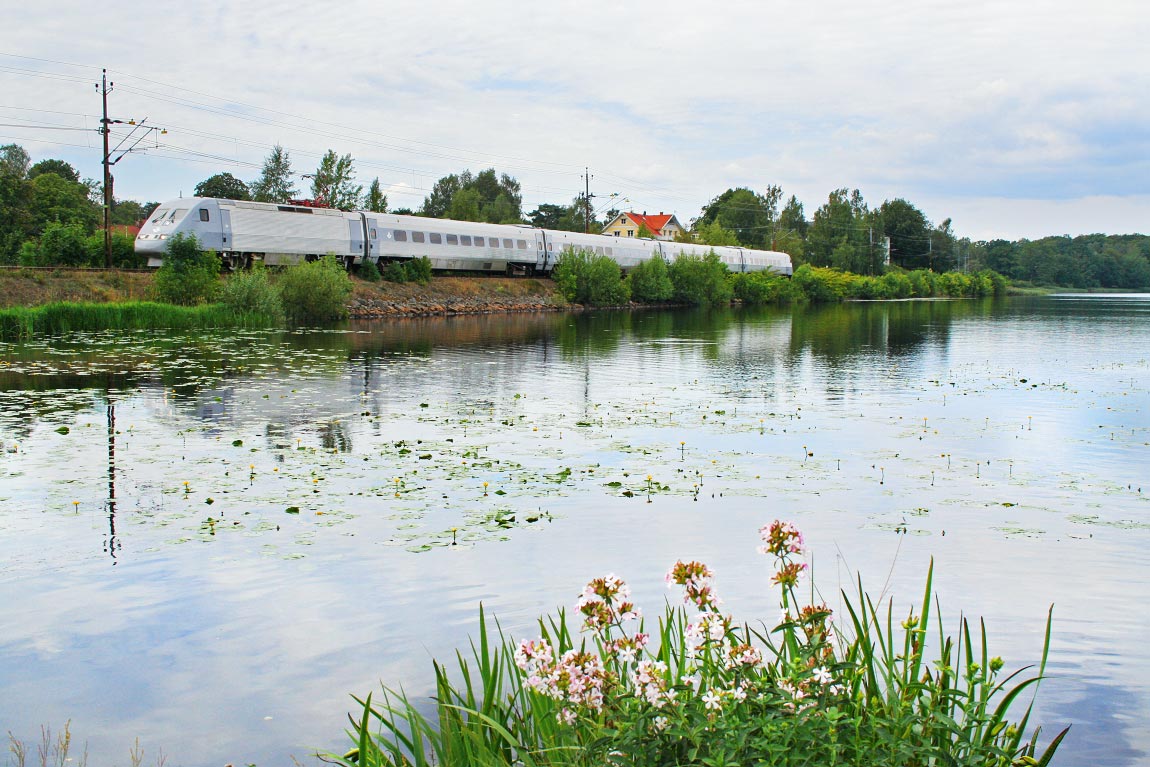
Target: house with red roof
[[662, 227]]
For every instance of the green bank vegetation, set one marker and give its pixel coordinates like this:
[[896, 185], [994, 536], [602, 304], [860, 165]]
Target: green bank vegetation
[[697, 688], [587, 278], [193, 296]]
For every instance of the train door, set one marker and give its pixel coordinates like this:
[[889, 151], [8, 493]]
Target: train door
[[541, 257], [226, 229], [742, 260], [355, 251], [372, 251]]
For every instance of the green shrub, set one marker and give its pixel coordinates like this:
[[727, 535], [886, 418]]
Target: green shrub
[[820, 284], [396, 271], [898, 285], [124, 254], [253, 293], [755, 288], [315, 291], [28, 255], [651, 281], [921, 283], [999, 285], [369, 272], [188, 276], [701, 281], [587, 278], [419, 270], [63, 245]]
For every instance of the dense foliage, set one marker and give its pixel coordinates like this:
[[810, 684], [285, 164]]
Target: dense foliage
[[700, 280], [479, 197], [252, 292], [50, 217], [315, 291], [651, 281], [223, 185], [699, 688], [586, 277], [189, 276]]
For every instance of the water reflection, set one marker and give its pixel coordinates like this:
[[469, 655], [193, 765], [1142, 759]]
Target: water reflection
[[310, 554]]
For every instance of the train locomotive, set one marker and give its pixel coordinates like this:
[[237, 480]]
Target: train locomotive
[[245, 232]]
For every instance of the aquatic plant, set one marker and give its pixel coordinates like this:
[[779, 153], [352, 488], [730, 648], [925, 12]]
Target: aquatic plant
[[702, 689]]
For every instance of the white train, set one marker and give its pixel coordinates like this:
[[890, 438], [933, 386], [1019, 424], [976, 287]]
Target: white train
[[244, 232]]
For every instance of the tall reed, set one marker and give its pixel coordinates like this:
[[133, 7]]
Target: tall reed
[[23, 323]]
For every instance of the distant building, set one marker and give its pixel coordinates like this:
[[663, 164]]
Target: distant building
[[663, 226]]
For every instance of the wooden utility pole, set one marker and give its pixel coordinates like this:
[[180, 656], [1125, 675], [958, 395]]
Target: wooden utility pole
[[105, 128], [586, 201]]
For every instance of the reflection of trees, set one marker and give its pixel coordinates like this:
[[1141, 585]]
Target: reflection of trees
[[836, 333]]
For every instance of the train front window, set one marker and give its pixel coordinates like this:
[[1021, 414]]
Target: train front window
[[159, 214], [178, 214]]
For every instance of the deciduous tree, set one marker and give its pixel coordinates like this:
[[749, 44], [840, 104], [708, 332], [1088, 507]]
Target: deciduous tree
[[376, 200], [334, 182], [275, 183], [225, 186]]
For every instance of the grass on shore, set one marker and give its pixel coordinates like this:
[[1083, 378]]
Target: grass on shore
[[23, 323]]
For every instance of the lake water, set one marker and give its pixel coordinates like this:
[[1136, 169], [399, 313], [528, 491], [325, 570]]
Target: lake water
[[211, 540]]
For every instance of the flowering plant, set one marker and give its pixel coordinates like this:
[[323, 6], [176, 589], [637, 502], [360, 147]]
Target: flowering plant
[[706, 690]]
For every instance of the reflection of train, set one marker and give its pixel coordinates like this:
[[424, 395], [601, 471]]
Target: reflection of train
[[242, 232]]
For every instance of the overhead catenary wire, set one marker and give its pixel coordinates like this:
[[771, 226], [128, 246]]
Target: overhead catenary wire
[[341, 132]]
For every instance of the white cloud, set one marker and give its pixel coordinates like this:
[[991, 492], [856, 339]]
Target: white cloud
[[667, 103]]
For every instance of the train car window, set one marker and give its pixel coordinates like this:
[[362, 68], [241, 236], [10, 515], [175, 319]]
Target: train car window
[[400, 235], [204, 214], [417, 237], [479, 242], [508, 244], [521, 244], [464, 239], [453, 239], [608, 249], [599, 249], [436, 238]]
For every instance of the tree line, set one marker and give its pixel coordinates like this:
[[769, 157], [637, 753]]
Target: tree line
[[50, 216]]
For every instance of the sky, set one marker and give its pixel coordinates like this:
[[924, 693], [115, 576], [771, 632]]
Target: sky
[[1012, 119]]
